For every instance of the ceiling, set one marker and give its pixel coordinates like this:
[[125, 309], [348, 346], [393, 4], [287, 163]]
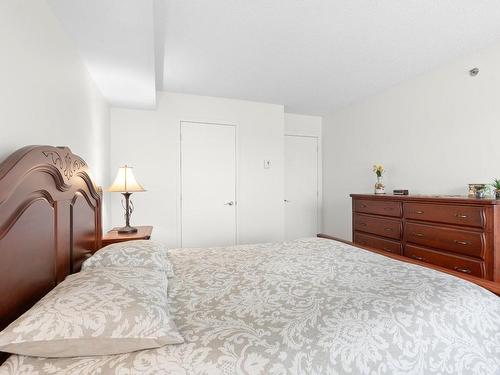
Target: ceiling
[[313, 56], [116, 41]]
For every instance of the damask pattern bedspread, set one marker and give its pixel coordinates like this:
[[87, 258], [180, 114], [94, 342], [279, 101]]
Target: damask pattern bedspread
[[311, 306]]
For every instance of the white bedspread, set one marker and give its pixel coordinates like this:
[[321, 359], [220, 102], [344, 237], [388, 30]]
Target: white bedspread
[[309, 306]]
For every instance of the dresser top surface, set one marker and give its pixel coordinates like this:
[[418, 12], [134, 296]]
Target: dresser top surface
[[461, 199]]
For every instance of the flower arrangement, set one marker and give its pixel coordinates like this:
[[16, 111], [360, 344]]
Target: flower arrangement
[[379, 185], [378, 169]]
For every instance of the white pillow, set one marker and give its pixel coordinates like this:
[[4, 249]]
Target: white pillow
[[138, 253], [101, 311]]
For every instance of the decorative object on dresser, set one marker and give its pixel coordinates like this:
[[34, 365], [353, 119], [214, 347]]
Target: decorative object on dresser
[[496, 186], [400, 192], [126, 184], [480, 192], [379, 185], [474, 188], [114, 235], [458, 233]]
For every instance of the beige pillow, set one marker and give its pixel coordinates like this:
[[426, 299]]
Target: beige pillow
[[98, 312], [138, 253]]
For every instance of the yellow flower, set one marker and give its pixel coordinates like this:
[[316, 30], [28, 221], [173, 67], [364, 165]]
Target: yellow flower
[[378, 169]]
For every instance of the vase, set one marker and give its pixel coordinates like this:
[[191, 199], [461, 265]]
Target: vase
[[379, 186]]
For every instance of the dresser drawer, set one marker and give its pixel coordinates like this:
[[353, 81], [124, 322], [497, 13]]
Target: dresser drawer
[[454, 240], [378, 207], [378, 225], [453, 262], [377, 243], [450, 214]]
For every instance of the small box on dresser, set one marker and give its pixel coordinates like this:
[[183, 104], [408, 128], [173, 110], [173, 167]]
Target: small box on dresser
[[459, 233]]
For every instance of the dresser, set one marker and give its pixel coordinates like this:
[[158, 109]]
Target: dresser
[[459, 233]]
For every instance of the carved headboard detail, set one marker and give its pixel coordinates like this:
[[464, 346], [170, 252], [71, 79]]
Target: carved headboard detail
[[50, 221]]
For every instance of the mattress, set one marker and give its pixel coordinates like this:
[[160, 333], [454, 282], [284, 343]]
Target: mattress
[[310, 306]]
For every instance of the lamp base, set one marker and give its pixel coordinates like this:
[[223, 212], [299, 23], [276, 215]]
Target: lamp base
[[127, 230]]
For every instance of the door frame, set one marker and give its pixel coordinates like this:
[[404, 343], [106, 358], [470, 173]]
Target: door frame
[[236, 176], [319, 179]]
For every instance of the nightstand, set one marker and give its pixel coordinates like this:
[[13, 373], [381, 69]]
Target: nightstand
[[143, 233]]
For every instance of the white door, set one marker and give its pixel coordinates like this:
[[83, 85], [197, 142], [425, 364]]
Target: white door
[[208, 184], [301, 186]]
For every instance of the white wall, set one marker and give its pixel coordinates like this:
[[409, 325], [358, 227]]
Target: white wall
[[309, 126], [116, 41], [46, 94], [149, 141], [434, 134], [296, 124]]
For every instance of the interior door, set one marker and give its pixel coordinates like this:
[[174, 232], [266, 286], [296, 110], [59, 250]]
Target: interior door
[[208, 184], [301, 186]]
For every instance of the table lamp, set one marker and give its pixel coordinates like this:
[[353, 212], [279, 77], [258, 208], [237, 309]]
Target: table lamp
[[126, 184]]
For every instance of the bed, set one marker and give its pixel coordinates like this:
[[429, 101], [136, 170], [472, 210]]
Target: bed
[[310, 306]]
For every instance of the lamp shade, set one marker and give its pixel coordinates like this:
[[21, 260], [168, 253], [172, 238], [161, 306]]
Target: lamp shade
[[125, 182]]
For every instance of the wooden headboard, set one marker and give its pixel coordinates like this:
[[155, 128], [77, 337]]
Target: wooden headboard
[[50, 221]]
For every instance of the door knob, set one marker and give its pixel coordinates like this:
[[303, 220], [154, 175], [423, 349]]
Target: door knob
[[286, 201], [230, 203]]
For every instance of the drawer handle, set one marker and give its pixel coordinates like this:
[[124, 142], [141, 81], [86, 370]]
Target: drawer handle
[[362, 224], [460, 269], [461, 216], [388, 208], [461, 242], [388, 229], [418, 234], [417, 257], [386, 249], [419, 212], [363, 205]]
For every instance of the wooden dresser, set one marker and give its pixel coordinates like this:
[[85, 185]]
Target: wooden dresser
[[458, 233]]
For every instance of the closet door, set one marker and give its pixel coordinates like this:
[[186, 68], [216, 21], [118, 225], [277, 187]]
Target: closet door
[[208, 184], [301, 186]]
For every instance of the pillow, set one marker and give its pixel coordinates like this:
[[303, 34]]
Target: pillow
[[98, 312], [138, 253]]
